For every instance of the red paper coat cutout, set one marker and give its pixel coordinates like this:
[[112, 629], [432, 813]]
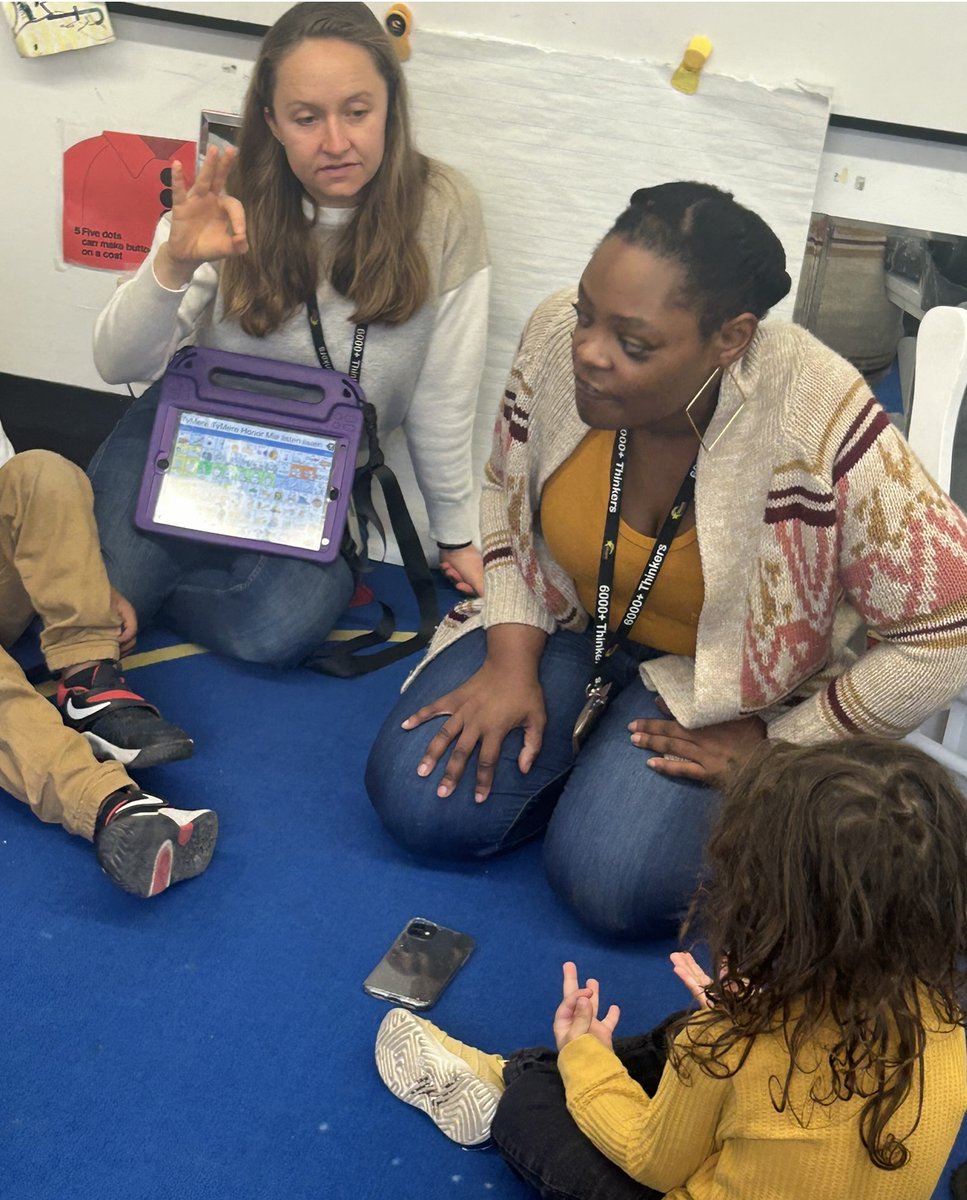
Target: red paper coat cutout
[[116, 188]]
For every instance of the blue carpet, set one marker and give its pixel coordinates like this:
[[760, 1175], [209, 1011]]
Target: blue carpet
[[215, 1044], [887, 389]]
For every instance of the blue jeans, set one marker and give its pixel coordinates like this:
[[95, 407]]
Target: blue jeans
[[623, 845], [263, 608]]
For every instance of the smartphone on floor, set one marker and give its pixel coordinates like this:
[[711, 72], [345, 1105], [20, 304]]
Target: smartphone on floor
[[420, 963]]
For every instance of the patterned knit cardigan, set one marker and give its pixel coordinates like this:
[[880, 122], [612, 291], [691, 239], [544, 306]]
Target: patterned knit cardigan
[[814, 519]]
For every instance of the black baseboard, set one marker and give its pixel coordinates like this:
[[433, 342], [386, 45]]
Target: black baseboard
[[37, 415]]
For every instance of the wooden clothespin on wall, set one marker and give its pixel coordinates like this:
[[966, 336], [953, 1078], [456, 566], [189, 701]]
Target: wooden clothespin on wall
[[696, 54]]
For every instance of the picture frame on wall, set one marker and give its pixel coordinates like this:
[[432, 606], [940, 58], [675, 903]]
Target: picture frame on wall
[[217, 129]]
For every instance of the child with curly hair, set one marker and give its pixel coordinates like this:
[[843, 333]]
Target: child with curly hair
[[827, 1058]]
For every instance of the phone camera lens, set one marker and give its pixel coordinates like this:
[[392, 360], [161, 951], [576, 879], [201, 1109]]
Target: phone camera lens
[[420, 929]]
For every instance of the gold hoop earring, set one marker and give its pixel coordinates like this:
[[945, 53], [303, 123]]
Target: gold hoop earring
[[698, 395], [694, 400]]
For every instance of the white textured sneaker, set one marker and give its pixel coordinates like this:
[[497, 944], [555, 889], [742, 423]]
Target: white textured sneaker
[[420, 1071]]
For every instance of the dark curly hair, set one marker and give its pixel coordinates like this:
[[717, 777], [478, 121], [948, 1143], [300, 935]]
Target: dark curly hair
[[732, 261], [836, 899]]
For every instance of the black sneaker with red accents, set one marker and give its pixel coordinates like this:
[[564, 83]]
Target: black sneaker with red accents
[[145, 846], [118, 723]]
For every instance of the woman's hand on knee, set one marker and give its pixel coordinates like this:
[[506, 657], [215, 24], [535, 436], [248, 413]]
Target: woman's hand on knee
[[482, 712], [706, 755]]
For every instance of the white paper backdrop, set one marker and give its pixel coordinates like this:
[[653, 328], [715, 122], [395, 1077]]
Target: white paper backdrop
[[556, 143]]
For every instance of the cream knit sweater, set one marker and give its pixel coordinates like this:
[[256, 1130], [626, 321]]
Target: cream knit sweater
[[814, 518]]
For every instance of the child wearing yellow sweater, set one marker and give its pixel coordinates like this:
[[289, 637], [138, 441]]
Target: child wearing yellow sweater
[[828, 1056]]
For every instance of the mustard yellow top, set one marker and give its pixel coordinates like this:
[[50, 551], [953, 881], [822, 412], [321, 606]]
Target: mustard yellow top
[[721, 1139], [573, 507]]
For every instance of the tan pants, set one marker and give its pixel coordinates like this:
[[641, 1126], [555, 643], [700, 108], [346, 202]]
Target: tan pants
[[50, 564]]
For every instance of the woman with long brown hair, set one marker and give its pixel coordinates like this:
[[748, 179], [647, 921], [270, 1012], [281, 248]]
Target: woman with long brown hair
[[326, 200], [827, 1056]]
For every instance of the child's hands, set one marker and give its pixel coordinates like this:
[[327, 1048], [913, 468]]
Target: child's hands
[[697, 982], [577, 1013], [692, 975], [127, 620]]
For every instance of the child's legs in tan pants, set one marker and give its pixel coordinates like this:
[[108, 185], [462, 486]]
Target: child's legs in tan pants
[[46, 764], [50, 560], [50, 563]]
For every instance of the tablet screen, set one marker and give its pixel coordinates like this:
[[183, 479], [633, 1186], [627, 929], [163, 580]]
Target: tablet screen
[[239, 479]]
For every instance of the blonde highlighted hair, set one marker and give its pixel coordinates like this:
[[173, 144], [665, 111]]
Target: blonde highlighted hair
[[377, 261]]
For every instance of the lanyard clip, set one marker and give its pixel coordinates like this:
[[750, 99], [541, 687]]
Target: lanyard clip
[[591, 713]]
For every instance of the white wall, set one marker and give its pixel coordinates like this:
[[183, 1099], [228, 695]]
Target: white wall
[[889, 62], [47, 309], [894, 180], [896, 62], [548, 118]]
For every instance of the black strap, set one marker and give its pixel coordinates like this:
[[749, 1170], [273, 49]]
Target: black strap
[[322, 350], [343, 659], [605, 642]]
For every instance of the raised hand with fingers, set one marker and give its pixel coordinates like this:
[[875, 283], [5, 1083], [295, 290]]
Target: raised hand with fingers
[[577, 1014], [206, 223], [693, 977]]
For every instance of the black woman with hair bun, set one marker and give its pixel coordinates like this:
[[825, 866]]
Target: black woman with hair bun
[[688, 514]]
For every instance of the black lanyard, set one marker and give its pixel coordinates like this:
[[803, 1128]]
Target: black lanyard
[[348, 660], [359, 342], [605, 642]]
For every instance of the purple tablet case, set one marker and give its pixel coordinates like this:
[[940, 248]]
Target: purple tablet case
[[252, 453]]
